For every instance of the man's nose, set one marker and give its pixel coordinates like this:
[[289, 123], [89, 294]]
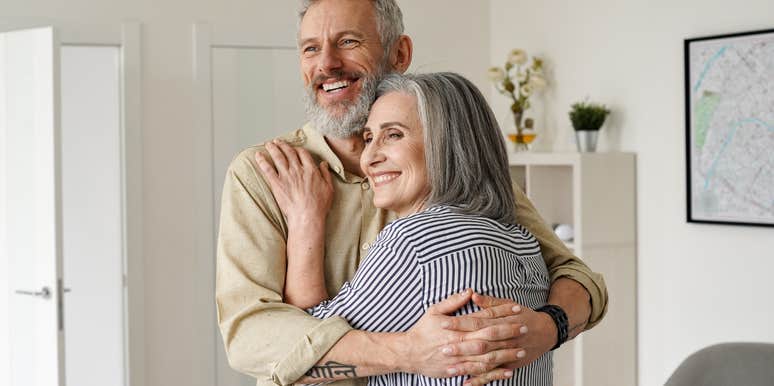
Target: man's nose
[[330, 59]]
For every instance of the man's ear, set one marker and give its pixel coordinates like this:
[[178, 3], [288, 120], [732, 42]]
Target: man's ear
[[400, 57]]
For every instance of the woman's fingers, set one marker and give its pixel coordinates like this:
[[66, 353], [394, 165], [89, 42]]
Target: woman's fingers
[[306, 159], [326, 173], [505, 309], [266, 169], [278, 156], [290, 153]]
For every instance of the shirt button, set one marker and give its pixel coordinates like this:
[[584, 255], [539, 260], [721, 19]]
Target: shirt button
[[365, 246], [365, 185]]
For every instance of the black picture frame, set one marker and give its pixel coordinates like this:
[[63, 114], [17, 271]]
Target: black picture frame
[[701, 201]]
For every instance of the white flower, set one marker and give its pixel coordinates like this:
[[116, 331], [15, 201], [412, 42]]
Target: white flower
[[496, 74], [521, 77], [526, 90], [537, 82], [517, 57]]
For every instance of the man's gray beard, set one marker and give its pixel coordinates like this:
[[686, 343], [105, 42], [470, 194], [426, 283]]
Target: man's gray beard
[[351, 122]]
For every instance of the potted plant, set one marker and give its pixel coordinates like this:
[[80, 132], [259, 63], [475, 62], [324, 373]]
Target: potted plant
[[587, 118]]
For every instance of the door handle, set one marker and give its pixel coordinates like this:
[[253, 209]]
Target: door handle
[[44, 293]]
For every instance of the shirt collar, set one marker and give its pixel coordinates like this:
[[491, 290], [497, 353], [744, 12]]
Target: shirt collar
[[316, 143]]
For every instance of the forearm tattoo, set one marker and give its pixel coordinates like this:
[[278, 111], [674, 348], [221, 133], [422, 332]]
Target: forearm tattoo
[[331, 369]]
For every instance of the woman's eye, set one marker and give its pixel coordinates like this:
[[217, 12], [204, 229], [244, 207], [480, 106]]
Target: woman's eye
[[396, 135], [367, 140]]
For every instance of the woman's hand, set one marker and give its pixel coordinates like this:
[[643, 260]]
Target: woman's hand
[[303, 190]]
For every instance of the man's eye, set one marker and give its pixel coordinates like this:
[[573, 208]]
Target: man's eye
[[310, 49], [367, 140], [349, 42]]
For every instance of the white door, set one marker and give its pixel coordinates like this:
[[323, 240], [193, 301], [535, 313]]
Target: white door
[[30, 206]]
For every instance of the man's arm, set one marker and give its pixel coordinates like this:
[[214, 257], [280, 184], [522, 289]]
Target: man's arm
[[428, 348], [562, 263]]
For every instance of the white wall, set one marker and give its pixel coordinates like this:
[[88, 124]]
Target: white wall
[[697, 284], [173, 339]]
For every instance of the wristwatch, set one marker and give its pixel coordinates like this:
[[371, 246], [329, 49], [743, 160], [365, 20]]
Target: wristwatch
[[560, 318]]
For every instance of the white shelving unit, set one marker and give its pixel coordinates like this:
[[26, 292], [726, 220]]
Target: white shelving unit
[[596, 194]]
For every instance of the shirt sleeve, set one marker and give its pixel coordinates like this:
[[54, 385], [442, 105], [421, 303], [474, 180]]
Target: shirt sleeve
[[559, 260], [264, 337]]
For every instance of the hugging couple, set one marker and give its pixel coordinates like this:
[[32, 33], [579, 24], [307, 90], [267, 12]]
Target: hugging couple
[[384, 241]]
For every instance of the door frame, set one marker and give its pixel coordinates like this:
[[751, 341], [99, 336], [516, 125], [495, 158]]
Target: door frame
[[127, 37], [205, 37]]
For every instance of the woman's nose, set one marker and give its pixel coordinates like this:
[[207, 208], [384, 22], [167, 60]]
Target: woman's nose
[[372, 155]]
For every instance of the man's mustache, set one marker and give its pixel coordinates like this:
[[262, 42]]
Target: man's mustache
[[335, 75]]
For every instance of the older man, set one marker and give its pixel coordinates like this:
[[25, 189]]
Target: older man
[[345, 47]]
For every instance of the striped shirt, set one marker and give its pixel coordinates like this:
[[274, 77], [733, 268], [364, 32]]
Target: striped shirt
[[421, 259]]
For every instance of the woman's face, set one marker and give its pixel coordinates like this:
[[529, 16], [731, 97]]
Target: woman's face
[[394, 154]]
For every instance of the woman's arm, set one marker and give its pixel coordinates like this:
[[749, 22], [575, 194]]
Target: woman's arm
[[304, 193]]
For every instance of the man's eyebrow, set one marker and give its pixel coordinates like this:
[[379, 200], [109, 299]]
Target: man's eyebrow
[[359, 35], [303, 42]]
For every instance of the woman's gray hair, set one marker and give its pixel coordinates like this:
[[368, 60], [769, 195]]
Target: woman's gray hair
[[389, 21], [465, 153]]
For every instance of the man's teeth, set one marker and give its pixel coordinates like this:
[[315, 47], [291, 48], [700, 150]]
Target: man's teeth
[[335, 85], [385, 177]]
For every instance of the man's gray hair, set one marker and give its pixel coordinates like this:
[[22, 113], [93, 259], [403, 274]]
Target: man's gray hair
[[465, 153], [389, 21]]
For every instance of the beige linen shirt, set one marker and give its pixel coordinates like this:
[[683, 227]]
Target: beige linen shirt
[[276, 342]]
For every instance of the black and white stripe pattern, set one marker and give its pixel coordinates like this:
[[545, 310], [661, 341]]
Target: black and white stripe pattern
[[421, 259]]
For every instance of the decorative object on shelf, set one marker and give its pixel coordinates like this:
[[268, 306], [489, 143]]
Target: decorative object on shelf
[[564, 232], [518, 80], [587, 118], [729, 129]]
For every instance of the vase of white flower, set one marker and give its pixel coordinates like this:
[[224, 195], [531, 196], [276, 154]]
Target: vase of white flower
[[519, 81]]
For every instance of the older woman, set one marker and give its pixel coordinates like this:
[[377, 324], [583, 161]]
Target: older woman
[[435, 156]]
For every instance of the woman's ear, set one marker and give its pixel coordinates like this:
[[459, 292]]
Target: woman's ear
[[400, 57]]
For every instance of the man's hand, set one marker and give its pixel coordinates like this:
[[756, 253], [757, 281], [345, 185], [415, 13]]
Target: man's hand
[[441, 346], [538, 338]]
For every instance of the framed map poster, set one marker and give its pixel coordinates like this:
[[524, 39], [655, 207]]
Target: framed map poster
[[729, 111]]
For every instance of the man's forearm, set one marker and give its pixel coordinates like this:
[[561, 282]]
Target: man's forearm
[[358, 354], [574, 300]]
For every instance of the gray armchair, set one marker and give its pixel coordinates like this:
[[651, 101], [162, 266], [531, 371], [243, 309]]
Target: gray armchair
[[727, 364]]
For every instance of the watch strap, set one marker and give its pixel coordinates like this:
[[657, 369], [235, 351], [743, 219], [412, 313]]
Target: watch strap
[[560, 318]]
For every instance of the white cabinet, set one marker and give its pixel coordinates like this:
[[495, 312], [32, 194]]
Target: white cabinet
[[596, 194]]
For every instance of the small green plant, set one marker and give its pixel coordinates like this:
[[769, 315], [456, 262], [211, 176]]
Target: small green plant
[[588, 116]]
